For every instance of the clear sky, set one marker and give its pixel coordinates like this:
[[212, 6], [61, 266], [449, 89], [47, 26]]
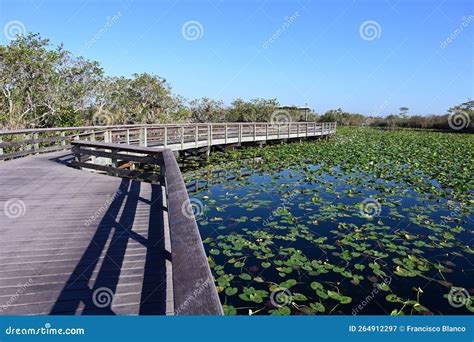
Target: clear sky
[[369, 57]]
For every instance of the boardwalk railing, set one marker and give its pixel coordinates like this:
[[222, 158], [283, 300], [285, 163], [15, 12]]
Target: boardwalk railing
[[19, 143], [194, 292]]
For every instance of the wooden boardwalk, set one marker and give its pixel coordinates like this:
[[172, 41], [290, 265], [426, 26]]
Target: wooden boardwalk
[[78, 242], [72, 241]]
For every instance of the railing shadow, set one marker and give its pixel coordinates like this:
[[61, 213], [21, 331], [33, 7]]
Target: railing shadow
[[104, 259]]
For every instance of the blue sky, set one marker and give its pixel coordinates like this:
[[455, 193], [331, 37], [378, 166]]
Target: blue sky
[[320, 55]]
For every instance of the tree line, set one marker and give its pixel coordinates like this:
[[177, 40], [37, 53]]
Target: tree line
[[47, 86]]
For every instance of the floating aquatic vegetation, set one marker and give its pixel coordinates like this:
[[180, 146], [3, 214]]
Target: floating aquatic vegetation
[[291, 221]]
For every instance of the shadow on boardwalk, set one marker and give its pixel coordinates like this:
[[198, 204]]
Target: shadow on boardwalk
[[98, 283]]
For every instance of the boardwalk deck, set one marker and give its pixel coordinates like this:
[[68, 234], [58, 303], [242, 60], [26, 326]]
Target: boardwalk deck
[[71, 238]]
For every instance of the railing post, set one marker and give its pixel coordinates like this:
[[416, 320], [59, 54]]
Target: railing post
[[182, 137], [254, 132], [166, 136], [225, 134], [35, 145], [196, 135], [266, 131], [307, 129], [145, 137], [240, 133], [1, 148], [209, 135], [127, 136], [289, 130], [278, 125]]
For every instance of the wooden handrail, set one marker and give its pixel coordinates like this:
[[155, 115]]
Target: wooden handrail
[[20, 143], [194, 292]]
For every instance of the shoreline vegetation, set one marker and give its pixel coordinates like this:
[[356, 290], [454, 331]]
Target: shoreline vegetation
[[46, 86]]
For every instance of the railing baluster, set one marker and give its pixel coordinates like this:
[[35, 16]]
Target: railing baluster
[[36, 144], [209, 135], [225, 134], [166, 136], [240, 133], [196, 135]]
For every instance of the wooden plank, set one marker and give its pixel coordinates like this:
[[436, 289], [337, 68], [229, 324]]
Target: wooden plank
[[77, 232]]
